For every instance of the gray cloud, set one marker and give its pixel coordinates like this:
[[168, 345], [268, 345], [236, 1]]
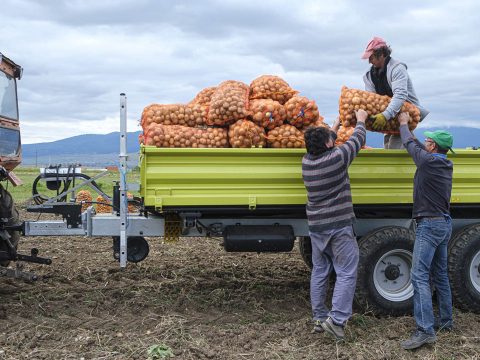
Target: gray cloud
[[80, 55]]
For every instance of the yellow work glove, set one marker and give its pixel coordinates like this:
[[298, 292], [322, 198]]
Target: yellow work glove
[[379, 121]]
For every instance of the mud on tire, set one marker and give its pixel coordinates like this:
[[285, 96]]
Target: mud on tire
[[8, 216], [464, 268], [383, 284]]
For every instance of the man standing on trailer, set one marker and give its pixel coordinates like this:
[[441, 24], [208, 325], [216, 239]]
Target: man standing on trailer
[[388, 76], [330, 218], [432, 188]]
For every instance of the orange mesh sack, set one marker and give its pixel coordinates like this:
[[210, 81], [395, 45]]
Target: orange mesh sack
[[174, 114], [246, 134], [103, 206], [229, 103], [271, 87], [267, 113], [286, 136], [318, 123], [185, 137], [343, 134], [301, 111], [204, 96], [353, 99], [84, 195]]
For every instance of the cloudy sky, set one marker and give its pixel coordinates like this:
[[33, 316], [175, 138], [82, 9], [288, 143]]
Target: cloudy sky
[[79, 55]]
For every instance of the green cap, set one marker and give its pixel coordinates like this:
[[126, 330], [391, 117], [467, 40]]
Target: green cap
[[442, 138]]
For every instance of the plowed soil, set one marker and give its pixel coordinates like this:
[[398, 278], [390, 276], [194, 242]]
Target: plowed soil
[[193, 298]]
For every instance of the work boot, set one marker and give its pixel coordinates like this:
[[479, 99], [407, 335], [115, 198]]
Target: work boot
[[418, 338], [334, 329], [317, 326]]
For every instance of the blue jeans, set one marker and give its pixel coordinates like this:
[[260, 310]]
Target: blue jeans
[[430, 256], [333, 249]]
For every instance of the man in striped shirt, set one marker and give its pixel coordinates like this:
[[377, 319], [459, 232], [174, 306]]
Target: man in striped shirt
[[330, 219]]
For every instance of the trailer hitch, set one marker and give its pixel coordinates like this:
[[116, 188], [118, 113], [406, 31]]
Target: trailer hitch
[[32, 258]]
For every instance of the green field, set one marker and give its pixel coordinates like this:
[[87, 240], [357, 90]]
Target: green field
[[23, 194]]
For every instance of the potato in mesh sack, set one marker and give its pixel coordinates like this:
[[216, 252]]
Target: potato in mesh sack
[[103, 205], [353, 99], [318, 123], [267, 113], [271, 87], [204, 96], [343, 134], [174, 114], [285, 136], [301, 111], [86, 196], [245, 134], [185, 137], [229, 103]]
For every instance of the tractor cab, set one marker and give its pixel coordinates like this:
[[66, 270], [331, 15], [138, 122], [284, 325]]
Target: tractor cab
[[10, 144]]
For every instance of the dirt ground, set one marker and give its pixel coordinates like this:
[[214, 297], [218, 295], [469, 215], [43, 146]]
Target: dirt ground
[[195, 299]]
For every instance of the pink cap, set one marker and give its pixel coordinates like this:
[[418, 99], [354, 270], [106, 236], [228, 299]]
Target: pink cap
[[374, 44]]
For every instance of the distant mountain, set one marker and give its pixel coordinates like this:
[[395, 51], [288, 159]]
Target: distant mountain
[[82, 144], [102, 150]]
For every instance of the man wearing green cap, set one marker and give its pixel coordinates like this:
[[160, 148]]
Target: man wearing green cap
[[432, 187]]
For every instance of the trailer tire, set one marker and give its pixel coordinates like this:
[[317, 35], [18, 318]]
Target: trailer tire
[[384, 282], [8, 216], [305, 247], [464, 268]]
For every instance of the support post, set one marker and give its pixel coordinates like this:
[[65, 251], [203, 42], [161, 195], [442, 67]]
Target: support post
[[123, 181]]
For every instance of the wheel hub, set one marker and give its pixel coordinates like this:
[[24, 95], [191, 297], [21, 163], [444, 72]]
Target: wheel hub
[[392, 272]]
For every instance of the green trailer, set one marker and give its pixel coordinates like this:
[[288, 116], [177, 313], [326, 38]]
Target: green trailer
[[254, 200], [244, 194]]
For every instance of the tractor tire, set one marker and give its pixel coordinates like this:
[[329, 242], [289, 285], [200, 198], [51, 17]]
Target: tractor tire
[[464, 268], [305, 247], [384, 282], [8, 216]]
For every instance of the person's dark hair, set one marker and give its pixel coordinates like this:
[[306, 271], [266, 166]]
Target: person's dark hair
[[316, 139], [384, 50]]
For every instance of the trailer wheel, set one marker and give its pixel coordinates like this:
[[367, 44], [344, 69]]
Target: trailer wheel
[[137, 248], [8, 216], [464, 268], [305, 247], [384, 282]]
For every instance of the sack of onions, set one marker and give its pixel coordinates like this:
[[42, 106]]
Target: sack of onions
[[301, 111], [285, 136], [343, 134], [354, 99], [246, 134], [267, 113], [178, 136], [271, 87], [229, 103], [204, 96], [174, 114], [318, 123], [85, 198], [103, 205]]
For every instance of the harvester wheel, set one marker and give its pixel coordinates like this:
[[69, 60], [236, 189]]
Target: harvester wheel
[[464, 268], [305, 247], [8, 216], [384, 281]]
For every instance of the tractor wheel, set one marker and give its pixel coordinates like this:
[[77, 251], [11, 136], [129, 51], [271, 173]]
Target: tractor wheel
[[8, 216], [464, 268], [384, 282]]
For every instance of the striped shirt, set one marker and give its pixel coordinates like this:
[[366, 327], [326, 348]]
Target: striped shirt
[[329, 198]]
